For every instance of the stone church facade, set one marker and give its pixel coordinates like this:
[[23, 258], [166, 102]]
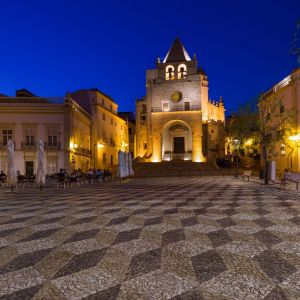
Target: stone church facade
[[176, 120]]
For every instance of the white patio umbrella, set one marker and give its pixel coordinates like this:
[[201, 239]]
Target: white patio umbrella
[[126, 165], [131, 173], [120, 167], [11, 172], [40, 178]]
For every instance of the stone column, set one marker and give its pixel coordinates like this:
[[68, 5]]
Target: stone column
[[296, 78], [68, 130]]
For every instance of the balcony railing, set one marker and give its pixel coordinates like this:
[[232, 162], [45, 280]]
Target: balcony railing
[[46, 100], [28, 146], [3, 147], [32, 147], [83, 151], [176, 108], [52, 146]]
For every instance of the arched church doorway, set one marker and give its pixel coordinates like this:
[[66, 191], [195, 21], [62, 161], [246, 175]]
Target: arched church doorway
[[177, 141]]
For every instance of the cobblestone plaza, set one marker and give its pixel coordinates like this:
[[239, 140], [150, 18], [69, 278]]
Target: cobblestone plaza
[[161, 238]]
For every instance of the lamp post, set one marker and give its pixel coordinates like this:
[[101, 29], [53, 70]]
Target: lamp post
[[237, 149]]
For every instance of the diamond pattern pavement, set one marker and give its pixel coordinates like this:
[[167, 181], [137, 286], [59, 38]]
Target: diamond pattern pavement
[[158, 238]]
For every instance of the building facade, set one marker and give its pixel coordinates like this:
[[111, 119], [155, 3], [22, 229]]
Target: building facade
[[109, 131], [279, 110], [79, 134], [27, 119], [129, 117], [176, 120]]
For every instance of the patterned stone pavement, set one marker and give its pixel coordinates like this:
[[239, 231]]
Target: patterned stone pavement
[[162, 238]]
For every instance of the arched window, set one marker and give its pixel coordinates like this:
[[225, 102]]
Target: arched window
[[181, 71], [170, 72]]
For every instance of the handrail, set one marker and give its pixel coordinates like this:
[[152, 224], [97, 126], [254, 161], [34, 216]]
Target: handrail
[[41, 100]]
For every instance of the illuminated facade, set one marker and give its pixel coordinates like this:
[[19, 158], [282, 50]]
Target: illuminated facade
[[109, 131], [80, 131], [176, 120], [280, 109], [27, 119]]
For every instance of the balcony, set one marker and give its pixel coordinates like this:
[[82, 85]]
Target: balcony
[[52, 146], [176, 108], [3, 147], [83, 151], [28, 146], [26, 100]]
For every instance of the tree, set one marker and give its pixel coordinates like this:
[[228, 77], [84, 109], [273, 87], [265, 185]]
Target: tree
[[271, 125], [243, 124], [276, 124]]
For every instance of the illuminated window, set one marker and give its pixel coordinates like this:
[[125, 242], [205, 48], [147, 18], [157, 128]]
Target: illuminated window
[[170, 72], [165, 106], [181, 71]]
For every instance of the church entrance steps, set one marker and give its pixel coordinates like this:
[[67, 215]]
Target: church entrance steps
[[179, 169]]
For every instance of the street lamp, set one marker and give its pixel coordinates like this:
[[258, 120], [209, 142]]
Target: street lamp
[[237, 149]]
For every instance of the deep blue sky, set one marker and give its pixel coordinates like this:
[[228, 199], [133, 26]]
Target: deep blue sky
[[50, 47]]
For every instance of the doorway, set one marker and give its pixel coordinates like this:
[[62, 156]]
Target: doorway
[[29, 168], [178, 144]]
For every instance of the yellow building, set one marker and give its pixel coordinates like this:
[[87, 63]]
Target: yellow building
[[80, 131], [109, 131], [279, 110], [60, 123], [176, 120]]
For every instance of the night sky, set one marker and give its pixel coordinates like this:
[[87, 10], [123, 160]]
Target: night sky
[[50, 47]]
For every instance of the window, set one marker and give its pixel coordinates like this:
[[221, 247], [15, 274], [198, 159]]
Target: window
[[181, 71], [52, 166], [186, 105], [110, 107], [103, 134], [103, 117], [52, 134], [104, 158], [111, 160], [281, 108], [7, 134], [143, 118], [144, 109], [103, 102], [170, 72], [165, 106], [29, 137], [145, 145]]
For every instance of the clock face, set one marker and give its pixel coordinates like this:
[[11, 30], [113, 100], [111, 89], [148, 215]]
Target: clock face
[[176, 96]]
